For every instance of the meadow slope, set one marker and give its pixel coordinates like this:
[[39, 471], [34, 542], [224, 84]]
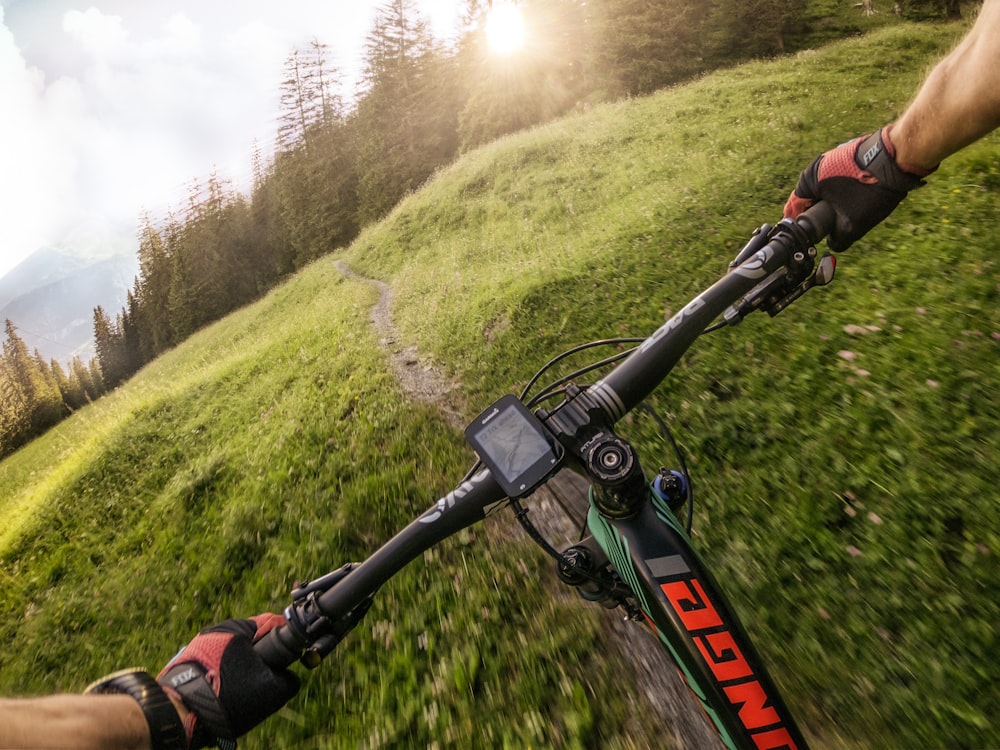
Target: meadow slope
[[843, 453]]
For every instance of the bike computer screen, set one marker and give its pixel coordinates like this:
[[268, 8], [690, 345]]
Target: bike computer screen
[[514, 445]]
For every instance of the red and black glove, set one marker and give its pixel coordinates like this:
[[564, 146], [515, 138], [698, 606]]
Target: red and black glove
[[225, 685], [861, 180]]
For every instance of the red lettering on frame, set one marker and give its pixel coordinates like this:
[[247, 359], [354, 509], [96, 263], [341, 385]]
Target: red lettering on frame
[[727, 664], [776, 739], [691, 605], [754, 712], [723, 656]]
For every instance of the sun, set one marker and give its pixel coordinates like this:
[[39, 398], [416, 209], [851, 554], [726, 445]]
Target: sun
[[505, 28]]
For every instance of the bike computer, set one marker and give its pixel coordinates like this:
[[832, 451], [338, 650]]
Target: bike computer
[[514, 445]]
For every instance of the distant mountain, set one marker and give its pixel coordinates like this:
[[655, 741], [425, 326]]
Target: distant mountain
[[51, 297], [41, 268]]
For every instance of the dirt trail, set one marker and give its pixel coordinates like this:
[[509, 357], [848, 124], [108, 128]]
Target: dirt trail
[[557, 510], [419, 378]]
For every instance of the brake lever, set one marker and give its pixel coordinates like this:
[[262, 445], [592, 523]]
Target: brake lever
[[760, 237], [784, 286], [821, 276], [324, 633]]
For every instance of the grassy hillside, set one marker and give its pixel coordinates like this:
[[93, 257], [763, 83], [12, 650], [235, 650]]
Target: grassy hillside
[[843, 453]]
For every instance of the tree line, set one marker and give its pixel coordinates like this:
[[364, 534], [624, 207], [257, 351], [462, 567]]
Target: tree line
[[342, 161], [35, 394]]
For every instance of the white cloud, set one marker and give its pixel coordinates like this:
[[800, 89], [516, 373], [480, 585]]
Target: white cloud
[[140, 118], [115, 109], [99, 35], [36, 170]]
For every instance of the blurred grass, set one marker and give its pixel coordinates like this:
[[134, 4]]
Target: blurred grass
[[843, 454]]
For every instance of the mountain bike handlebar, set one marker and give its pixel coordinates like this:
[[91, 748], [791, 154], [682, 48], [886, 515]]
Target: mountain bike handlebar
[[632, 381], [773, 269]]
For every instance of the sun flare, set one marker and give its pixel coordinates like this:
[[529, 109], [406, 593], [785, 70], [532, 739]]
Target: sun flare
[[505, 28]]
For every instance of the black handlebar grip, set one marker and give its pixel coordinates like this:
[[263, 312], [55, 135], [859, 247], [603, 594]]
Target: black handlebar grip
[[279, 648], [817, 221]]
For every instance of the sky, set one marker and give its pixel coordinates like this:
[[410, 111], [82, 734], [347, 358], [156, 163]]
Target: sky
[[111, 108]]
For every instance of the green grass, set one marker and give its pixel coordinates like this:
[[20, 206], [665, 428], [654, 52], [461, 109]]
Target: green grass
[[847, 505]]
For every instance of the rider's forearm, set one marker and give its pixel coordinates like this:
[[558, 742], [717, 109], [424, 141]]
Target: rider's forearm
[[73, 722], [960, 100]]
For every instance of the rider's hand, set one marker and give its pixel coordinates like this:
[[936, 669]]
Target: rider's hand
[[861, 180], [224, 684]]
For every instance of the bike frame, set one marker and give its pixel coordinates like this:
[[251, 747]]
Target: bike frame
[[689, 613], [631, 527]]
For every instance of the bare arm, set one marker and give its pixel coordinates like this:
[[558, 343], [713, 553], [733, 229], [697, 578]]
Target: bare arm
[[864, 179], [960, 100], [73, 722], [121, 710]]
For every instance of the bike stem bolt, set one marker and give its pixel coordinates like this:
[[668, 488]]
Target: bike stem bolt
[[610, 460], [614, 466]]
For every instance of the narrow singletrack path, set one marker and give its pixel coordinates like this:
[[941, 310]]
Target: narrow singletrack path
[[559, 510], [419, 378]]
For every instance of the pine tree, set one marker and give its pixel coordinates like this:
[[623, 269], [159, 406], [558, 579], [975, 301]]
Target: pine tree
[[182, 299], [73, 391], [93, 378], [153, 291], [308, 98], [51, 404], [61, 380], [128, 322], [931, 10], [315, 188], [313, 181], [271, 243], [31, 393], [19, 364], [643, 45], [741, 29], [14, 423], [200, 249], [542, 81], [406, 120], [82, 381], [108, 341]]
